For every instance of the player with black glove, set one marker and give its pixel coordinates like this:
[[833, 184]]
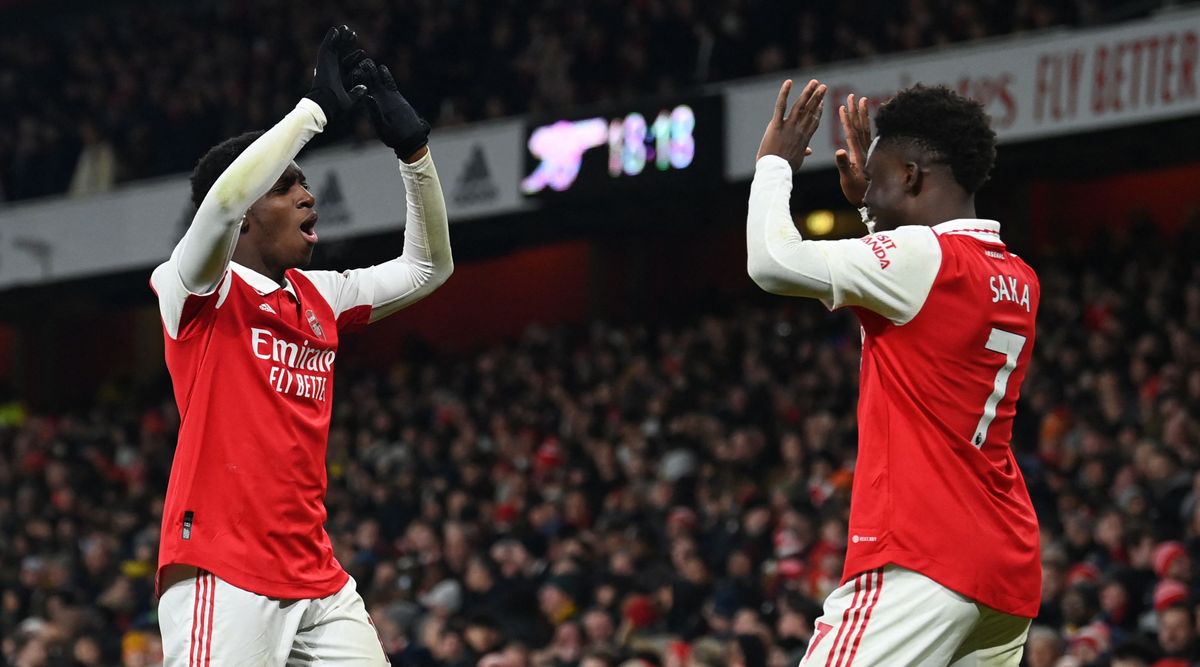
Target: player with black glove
[[246, 570], [395, 121], [335, 56]]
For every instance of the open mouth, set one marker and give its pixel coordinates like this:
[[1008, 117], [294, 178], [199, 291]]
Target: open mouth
[[308, 228]]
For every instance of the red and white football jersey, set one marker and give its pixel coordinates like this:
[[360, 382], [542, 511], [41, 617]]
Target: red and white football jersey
[[252, 366], [947, 318], [936, 486]]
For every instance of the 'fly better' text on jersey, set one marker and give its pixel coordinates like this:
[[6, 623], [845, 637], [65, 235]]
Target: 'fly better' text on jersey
[[252, 366], [287, 374]]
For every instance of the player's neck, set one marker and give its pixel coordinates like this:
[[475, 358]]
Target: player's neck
[[255, 262], [940, 210]]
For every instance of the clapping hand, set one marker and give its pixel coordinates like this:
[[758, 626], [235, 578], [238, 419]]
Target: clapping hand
[[328, 90], [788, 136], [856, 122], [396, 122]]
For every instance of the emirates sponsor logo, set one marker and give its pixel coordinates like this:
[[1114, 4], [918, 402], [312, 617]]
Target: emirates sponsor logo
[[294, 367]]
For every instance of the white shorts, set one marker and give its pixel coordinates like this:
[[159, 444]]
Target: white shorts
[[893, 616], [208, 622]]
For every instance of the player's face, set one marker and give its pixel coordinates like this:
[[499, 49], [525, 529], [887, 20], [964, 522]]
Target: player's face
[[282, 223], [887, 186]]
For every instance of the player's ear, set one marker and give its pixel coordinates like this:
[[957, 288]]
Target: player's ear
[[245, 226], [913, 178]]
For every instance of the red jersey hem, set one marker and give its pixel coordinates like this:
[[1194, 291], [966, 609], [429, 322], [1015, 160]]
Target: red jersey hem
[[1004, 603], [258, 585]]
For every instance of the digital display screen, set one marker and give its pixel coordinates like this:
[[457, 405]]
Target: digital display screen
[[627, 150]]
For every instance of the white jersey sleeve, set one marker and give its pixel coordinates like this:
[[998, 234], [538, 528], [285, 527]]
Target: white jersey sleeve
[[199, 264], [426, 261], [889, 273]]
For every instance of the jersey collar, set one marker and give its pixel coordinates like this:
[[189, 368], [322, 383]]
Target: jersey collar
[[984, 230], [260, 283]]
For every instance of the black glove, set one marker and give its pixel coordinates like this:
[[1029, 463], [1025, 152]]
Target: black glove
[[350, 60], [327, 89], [396, 122]]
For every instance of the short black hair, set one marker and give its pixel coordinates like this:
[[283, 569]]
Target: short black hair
[[216, 161], [953, 128]]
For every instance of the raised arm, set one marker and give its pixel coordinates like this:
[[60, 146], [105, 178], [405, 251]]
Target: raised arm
[[777, 259], [203, 255], [368, 295], [889, 274], [426, 262]]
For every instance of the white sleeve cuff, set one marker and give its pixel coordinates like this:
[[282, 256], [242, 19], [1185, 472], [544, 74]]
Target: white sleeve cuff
[[315, 109]]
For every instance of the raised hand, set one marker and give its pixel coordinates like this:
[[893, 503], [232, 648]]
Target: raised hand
[[396, 122], [788, 136], [328, 90], [856, 123], [349, 56]]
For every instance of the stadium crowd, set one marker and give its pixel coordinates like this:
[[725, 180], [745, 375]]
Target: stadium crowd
[[89, 99], [670, 493]]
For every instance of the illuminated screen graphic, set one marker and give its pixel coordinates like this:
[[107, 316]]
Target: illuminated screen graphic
[[560, 147], [565, 154]]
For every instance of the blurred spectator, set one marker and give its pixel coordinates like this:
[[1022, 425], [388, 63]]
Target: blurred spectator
[[1177, 632], [598, 659], [599, 632], [1089, 644], [96, 168], [483, 636], [1043, 648]]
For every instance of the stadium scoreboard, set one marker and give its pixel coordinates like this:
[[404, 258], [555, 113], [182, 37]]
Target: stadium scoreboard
[[636, 150]]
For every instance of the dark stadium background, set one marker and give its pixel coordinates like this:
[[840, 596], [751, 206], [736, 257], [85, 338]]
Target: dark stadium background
[[1110, 219]]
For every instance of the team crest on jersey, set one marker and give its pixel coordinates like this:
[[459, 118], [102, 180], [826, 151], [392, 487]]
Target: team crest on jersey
[[314, 323]]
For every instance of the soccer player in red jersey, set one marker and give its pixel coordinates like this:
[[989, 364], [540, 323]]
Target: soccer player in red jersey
[[246, 571], [942, 565]]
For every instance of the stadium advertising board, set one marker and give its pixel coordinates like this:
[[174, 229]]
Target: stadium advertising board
[[1046, 85], [69, 238], [359, 192], [640, 149]]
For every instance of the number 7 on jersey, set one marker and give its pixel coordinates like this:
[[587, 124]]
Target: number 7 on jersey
[[1010, 345]]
